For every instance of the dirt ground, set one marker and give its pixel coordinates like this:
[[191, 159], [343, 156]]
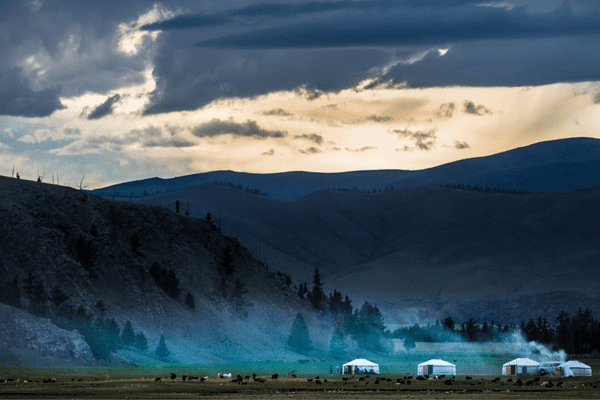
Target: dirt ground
[[85, 387]]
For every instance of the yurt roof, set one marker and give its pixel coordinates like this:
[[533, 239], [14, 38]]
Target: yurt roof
[[574, 364], [523, 361], [361, 361], [437, 361]]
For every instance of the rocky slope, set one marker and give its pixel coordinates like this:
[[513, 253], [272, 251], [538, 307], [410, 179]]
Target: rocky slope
[[42, 228]]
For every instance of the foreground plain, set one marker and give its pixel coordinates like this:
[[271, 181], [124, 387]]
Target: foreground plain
[[132, 386]]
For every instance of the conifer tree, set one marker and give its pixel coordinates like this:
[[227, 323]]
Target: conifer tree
[[299, 339], [141, 343], [317, 296], [189, 301], [337, 345], [128, 335], [162, 351]]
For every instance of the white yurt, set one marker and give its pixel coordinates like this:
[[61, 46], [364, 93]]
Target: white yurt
[[360, 366], [575, 368], [436, 367], [521, 366]]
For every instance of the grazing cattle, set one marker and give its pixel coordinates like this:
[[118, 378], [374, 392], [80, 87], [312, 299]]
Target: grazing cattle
[[362, 378], [509, 380], [344, 378], [441, 376], [202, 379], [228, 376], [377, 382], [157, 379], [480, 382], [420, 378], [237, 375], [309, 380], [173, 376], [317, 377], [367, 377], [274, 377], [495, 380], [547, 384], [79, 380], [519, 382], [247, 377], [536, 380], [318, 382], [325, 380], [388, 380], [408, 382], [559, 384], [293, 375], [261, 380], [184, 377], [468, 377], [529, 383], [448, 382], [243, 383]]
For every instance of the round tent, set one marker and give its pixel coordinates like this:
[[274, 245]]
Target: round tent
[[360, 366], [436, 367], [521, 366], [575, 368]]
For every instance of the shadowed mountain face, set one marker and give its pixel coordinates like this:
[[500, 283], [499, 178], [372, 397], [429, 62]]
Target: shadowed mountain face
[[425, 251], [94, 250]]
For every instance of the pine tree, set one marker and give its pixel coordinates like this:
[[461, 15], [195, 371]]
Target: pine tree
[[128, 335], [57, 297], [448, 323], [189, 301], [317, 296], [162, 351], [141, 343], [237, 295], [299, 339]]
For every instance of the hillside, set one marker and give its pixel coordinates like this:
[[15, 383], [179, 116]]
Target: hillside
[[561, 165], [424, 252], [42, 228]]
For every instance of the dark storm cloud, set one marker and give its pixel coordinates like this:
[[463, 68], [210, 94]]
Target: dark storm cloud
[[248, 129], [424, 140], [376, 118], [18, 99], [404, 26], [274, 10], [461, 145], [104, 108], [310, 150], [191, 79], [318, 139], [279, 112]]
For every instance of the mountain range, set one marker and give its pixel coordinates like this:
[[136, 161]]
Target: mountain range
[[505, 237]]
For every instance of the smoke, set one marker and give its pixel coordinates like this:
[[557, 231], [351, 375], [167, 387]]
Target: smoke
[[515, 343]]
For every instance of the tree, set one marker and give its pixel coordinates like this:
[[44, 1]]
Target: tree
[[128, 335], [141, 343], [237, 295], [299, 339], [162, 351], [189, 301], [10, 293], [177, 204], [57, 297], [448, 323], [135, 243], [317, 296]]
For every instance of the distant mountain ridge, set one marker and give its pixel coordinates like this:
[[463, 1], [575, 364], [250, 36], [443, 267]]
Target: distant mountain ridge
[[560, 165]]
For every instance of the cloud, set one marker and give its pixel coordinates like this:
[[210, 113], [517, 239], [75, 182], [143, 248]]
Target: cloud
[[446, 110], [318, 139], [375, 118], [362, 149], [269, 153], [471, 108], [18, 99], [248, 129], [72, 131], [104, 108], [597, 98], [406, 148], [168, 142], [438, 25], [424, 140], [461, 145], [310, 150], [280, 112]]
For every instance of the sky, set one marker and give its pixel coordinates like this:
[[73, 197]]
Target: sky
[[94, 93]]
